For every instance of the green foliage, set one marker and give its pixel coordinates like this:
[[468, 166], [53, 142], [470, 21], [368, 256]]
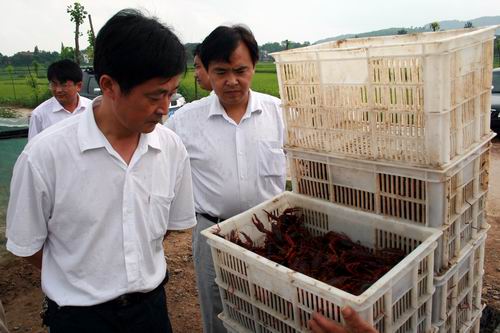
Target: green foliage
[[264, 81], [10, 70], [67, 52], [468, 25], [434, 26], [402, 32], [34, 85], [36, 68], [77, 13]]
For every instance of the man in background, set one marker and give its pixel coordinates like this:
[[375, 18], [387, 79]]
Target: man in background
[[65, 82], [200, 73]]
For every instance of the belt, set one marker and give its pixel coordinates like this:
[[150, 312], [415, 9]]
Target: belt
[[123, 300], [211, 218]]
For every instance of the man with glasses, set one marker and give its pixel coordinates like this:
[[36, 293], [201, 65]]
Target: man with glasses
[[65, 82]]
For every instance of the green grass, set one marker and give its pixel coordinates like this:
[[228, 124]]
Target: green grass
[[264, 81]]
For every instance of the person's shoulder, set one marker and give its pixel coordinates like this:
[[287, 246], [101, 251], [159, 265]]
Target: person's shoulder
[[86, 101], [56, 135], [43, 107], [266, 99], [168, 138], [193, 108]]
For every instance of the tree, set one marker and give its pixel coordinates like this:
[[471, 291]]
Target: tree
[[468, 24], [77, 14], [67, 52], [402, 32], [10, 70], [33, 84], [36, 67], [434, 26], [36, 51]]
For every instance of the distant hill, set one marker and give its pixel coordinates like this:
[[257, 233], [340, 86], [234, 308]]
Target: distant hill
[[444, 25]]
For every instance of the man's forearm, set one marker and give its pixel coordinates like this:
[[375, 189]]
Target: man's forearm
[[36, 259]]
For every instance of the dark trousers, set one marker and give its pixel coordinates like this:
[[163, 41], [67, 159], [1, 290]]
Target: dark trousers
[[146, 315]]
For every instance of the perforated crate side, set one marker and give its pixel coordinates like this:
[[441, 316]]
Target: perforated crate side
[[262, 296], [457, 297], [425, 196], [391, 99]]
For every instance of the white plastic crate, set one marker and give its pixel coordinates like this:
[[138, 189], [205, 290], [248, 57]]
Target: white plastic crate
[[460, 234], [426, 196], [472, 326], [457, 298], [475, 324], [419, 99], [259, 295], [451, 199]]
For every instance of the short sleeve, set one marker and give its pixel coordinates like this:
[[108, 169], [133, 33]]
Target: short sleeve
[[29, 209], [182, 214], [35, 125]]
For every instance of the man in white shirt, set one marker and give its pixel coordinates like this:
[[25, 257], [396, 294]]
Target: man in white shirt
[[93, 197], [234, 140], [65, 82]]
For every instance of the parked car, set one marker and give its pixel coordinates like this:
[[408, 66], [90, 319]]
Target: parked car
[[495, 101], [91, 90]]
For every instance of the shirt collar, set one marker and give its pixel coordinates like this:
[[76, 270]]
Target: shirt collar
[[91, 137], [254, 105], [56, 106]]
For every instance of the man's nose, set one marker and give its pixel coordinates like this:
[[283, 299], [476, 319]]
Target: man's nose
[[231, 79], [164, 105]]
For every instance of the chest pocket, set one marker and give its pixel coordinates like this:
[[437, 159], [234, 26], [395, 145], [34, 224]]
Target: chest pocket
[[159, 211], [272, 161]]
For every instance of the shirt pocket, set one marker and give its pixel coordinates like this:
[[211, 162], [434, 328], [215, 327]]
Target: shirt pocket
[[159, 211], [272, 160]]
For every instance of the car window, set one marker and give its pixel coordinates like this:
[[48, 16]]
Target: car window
[[92, 84], [496, 82]]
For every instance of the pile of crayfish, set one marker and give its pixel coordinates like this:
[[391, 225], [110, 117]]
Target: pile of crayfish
[[332, 258]]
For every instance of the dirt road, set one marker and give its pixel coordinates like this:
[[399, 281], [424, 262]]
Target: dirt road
[[20, 283]]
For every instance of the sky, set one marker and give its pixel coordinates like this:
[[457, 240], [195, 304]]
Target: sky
[[25, 24]]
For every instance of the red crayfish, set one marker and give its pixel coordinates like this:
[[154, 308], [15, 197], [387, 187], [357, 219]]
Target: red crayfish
[[332, 258]]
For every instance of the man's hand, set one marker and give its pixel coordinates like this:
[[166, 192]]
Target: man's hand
[[353, 323]]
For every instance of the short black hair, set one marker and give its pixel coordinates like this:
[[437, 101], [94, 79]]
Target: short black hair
[[221, 43], [196, 50], [64, 70], [133, 48]]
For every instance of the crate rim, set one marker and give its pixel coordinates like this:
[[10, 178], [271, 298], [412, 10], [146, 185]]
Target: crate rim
[[314, 48], [443, 171], [402, 268]]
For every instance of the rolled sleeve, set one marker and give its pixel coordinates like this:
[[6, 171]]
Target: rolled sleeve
[[28, 210]]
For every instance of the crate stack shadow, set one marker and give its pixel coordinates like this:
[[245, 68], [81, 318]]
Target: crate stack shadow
[[388, 140]]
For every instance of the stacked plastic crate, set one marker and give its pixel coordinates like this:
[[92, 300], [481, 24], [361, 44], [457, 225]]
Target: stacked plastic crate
[[399, 127]]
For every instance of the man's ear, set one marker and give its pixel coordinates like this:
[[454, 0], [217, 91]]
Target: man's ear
[[109, 87], [78, 86]]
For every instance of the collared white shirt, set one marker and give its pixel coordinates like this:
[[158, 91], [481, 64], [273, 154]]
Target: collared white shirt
[[51, 111], [234, 166], [100, 221]]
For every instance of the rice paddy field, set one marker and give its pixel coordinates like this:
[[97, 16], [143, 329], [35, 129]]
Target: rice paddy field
[[14, 90]]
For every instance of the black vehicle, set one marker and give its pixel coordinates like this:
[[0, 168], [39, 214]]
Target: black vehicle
[[90, 88]]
